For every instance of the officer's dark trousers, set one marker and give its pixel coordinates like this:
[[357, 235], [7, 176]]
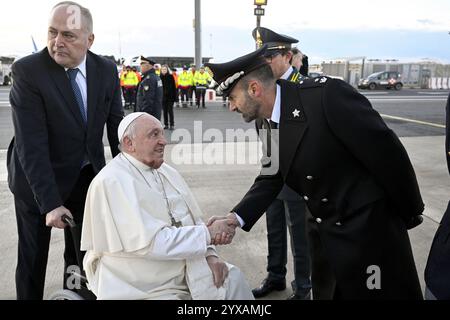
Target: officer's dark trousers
[[168, 112], [280, 215], [184, 95], [192, 90], [200, 95], [34, 240]]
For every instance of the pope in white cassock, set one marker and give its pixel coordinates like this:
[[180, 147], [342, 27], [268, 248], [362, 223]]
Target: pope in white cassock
[[142, 229]]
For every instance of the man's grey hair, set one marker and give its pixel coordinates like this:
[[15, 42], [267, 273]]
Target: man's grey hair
[[85, 13]]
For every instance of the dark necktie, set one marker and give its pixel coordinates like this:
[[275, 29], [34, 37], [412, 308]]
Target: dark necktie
[[273, 125], [72, 73]]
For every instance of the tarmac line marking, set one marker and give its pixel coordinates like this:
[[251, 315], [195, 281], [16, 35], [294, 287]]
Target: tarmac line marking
[[413, 121], [414, 99], [423, 92]]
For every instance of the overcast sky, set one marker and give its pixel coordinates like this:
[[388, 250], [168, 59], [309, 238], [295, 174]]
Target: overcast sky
[[326, 29]]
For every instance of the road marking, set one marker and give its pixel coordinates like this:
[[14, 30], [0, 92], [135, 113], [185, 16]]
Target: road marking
[[423, 92], [413, 121], [409, 99]]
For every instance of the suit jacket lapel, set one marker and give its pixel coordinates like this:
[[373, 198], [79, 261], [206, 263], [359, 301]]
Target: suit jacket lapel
[[62, 82], [293, 124], [92, 88]]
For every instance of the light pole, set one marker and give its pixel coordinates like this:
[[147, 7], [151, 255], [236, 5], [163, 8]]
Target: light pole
[[259, 11], [198, 35]]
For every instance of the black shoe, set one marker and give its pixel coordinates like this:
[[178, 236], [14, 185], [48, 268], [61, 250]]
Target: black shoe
[[203, 106], [267, 286], [166, 127], [296, 296], [172, 128]]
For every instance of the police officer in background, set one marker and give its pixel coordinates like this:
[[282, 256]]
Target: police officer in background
[[288, 209], [150, 90], [437, 275]]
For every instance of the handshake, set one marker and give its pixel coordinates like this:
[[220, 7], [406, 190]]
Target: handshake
[[222, 229]]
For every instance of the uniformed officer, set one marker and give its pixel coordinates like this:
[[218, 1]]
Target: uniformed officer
[[437, 275], [150, 90], [288, 209], [351, 169]]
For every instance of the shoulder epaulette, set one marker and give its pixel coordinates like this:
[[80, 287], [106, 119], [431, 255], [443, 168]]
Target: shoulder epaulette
[[314, 82]]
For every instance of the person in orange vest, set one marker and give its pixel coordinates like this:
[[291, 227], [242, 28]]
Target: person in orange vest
[[138, 74]]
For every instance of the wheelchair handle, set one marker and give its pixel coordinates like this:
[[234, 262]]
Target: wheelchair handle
[[65, 218]]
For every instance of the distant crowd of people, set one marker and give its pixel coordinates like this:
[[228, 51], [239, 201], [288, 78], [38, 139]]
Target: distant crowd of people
[[161, 88]]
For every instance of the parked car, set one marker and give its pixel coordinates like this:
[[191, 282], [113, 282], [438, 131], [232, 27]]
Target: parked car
[[315, 74], [382, 80]]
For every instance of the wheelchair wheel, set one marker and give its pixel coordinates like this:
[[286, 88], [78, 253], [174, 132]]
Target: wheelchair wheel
[[65, 294]]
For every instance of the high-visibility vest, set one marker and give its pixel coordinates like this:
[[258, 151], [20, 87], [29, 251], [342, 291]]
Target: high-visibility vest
[[185, 79], [131, 79], [122, 78], [138, 74], [201, 78], [175, 77]]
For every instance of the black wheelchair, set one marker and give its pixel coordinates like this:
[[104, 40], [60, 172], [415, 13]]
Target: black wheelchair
[[81, 292]]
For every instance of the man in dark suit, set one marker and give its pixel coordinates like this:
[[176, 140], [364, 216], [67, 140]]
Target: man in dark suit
[[437, 271], [350, 168], [288, 209], [61, 99]]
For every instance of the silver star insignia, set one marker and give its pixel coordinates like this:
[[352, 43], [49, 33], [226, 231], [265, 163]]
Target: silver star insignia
[[296, 113]]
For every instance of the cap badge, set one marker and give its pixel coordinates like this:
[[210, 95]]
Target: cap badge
[[259, 41]]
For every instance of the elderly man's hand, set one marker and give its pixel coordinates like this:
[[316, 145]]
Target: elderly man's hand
[[221, 231], [219, 270], [53, 218]]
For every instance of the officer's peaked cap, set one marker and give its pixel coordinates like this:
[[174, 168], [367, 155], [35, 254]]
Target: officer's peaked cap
[[227, 74], [148, 59], [273, 40]]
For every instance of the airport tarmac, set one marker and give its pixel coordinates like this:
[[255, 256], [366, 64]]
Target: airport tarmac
[[217, 188]]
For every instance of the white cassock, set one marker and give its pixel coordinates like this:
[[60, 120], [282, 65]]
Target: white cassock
[[133, 251]]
